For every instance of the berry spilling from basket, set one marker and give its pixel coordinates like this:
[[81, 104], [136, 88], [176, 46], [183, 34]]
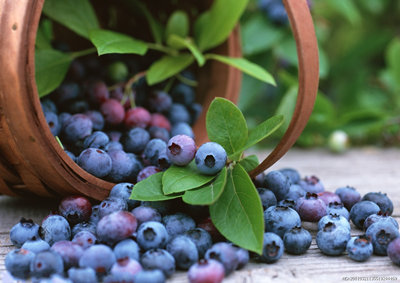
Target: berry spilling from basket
[[124, 240]]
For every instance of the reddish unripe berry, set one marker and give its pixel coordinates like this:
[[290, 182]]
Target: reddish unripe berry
[[75, 209], [137, 117], [329, 197], [311, 208], [206, 271], [116, 226], [112, 111], [97, 92], [159, 120]]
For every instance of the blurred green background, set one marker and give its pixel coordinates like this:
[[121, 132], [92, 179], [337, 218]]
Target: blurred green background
[[359, 92]]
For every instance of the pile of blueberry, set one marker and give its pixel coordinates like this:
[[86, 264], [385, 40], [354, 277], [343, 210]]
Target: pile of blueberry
[[116, 135], [124, 240]]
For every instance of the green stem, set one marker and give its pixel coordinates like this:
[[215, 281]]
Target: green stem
[[168, 86], [162, 48], [81, 53], [186, 81]]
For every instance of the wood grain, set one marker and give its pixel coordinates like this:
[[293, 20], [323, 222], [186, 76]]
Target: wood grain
[[367, 169]]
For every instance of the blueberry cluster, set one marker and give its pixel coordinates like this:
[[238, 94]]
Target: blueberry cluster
[[288, 200], [125, 137]]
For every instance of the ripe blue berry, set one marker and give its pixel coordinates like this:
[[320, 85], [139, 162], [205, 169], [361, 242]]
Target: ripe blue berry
[[127, 248], [382, 200], [361, 210], [145, 213], [158, 259], [135, 140], [183, 93], [292, 174], [311, 208], [147, 172], [85, 239], [55, 228], [184, 251], [159, 133], [295, 192], [82, 275], [18, 263], [393, 251], [154, 149], [126, 265], [122, 277], [53, 122], [115, 227], [36, 245], [178, 223], [159, 101], [332, 239], [278, 183], [312, 185], [77, 127], [110, 205], [349, 196], [210, 158], [243, 257], [23, 231], [97, 119], [47, 263], [381, 234], [151, 235], [279, 219], [225, 253], [359, 248], [297, 240], [267, 197], [373, 218], [122, 167], [69, 251], [75, 209], [178, 113], [181, 150], [210, 270], [329, 197], [334, 218], [113, 145], [97, 139], [149, 276], [95, 161], [84, 226], [123, 191], [182, 128], [272, 248], [338, 208], [201, 238], [287, 203], [98, 257]]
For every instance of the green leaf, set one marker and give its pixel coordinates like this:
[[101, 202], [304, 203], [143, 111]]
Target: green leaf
[[178, 24], [287, 105], [214, 28], [179, 179], [249, 162], [77, 15], [207, 194], [245, 66], [44, 34], [51, 66], [238, 213], [226, 125], [150, 189], [348, 9], [167, 67], [108, 42], [393, 59], [175, 40]]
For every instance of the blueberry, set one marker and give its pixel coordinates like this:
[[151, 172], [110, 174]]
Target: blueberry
[[153, 150], [85, 239], [18, 263], [23, 231], [311, 208], [178, 223], [382, 200], [332, 239], [77, 127], [84, 226], [77, 106], [48, 106], [55, 278], [53, 122], [75, 209], [329, 197], [151, 235], [225, 253], [113, 112], [312, 185], [159, 133], [159, 101], [110, 205], [95, 216], [69, 251], [201, 238], [373, 218], [122, 277], [82, 275], [159, 259], [126, 265], [67, 92], [195, 110], [184, 251], [292, 174], [287, 203], [361, 210], [127, 248], [63, 118], [36, 245], [334, 218], [183, 93], [243, 257], [71, 155], [359, 248], [147, 172], [206, 271], [181, 150], [114, 135], [267, 197], [381, 234], [295, 192], [123, 191], [149, 276], [95, 161], [210, 158], [135, 140], [55, 228], [137, 117], [145, 213], [97, 92], [278, 183], [163, 207], [182, 128], [98, 257], [137, 166], [115, 227], [178, 113], [272, 248], [349, 196], [46, 263], [279, 219], [338, 208], [113, 145], [209, 226], [97, 119], [97, 139], [122, 167], [297, 240], [393, 251]]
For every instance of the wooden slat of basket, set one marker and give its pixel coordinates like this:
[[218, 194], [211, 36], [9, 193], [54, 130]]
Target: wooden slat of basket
[[5, 189], [7, 173]]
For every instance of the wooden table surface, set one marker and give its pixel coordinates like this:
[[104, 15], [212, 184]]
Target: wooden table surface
[[366, 169]]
